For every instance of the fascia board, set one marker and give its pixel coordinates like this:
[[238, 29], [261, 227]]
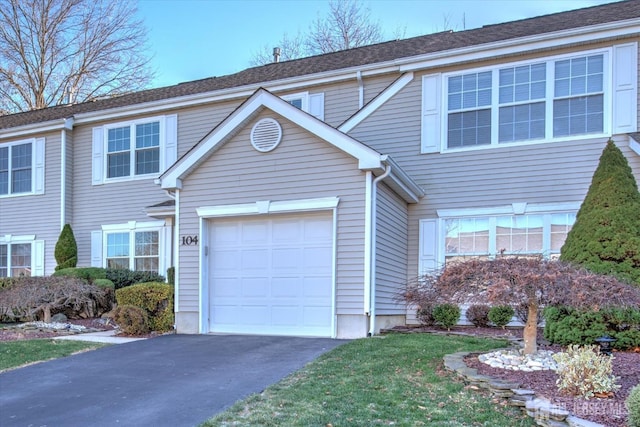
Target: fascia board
[[413, 191], [524, 44], [367, 157], [34, 128], [173, 177], [379, 101]]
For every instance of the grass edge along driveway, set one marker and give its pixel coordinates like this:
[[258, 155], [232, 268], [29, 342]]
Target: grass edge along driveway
[[15, 354], [395, 379]]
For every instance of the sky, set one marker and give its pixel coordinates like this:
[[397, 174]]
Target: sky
[[195, 39]]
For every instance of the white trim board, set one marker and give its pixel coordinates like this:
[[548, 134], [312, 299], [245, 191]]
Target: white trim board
[[263, 207]]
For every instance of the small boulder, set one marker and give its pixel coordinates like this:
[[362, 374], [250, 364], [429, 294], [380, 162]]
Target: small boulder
[[58, 318]]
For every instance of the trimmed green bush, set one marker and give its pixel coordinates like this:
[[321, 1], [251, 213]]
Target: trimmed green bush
[[5, 282], [90, 274], [66, 250], [104, 283], [132, 320], [567, 326], [446, 315], [501, 315], [155, 298], [478, 314], [606, 235], [122, 277], [633, 406]]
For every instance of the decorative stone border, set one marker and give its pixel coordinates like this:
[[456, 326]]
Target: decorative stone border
[[541, 410]]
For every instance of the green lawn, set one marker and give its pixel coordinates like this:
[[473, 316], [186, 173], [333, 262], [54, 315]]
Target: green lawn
[[17, 353], [391, 380]]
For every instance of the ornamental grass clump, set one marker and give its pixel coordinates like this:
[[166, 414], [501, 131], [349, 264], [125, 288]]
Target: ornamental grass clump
[[584, 372]]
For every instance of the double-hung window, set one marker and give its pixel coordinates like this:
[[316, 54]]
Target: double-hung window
[[21, 256], [133, 150], [139, 149], [15, 260], [134, 250], [19, 162], [540, 100]]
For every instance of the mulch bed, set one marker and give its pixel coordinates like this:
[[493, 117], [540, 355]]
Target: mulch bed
[[610, 412]]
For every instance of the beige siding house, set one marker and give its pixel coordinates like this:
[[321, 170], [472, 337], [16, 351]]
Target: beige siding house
[[297, 198]]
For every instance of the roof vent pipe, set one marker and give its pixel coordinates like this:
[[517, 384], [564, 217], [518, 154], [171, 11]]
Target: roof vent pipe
[[276, 54]]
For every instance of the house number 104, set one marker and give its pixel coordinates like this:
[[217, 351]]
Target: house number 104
[[189, 240]]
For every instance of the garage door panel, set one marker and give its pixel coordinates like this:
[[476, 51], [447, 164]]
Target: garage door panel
[[286, 287], [225, 260], [316, 287], [282, 271], [255, 232]]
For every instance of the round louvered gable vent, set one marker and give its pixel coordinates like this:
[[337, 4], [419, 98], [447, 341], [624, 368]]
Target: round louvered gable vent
[[266, 135]]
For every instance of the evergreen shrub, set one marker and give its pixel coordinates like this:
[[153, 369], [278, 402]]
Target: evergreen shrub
[[446, 315], [501, 315], [565, 326], [155, 298], [90, 274], [606, 235], [66, 249], [122, 277]]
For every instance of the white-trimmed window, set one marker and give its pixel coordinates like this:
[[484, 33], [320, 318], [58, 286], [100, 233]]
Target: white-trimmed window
[[22, 167], [134, 150], [135, 250], [311, 103], [527, 234], [517, 229], [21, 256], [555, 98], [140, 246]]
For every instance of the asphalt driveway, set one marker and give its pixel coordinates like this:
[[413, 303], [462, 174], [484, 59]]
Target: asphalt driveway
[[172, 380]]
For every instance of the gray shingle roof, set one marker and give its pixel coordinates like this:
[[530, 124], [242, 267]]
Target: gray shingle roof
[[361, 56]]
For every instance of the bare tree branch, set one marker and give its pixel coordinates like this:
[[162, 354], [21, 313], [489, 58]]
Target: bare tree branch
[[347, 25], [51, 50]]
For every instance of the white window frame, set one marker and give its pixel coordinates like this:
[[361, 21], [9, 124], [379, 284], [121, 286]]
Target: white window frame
[[37, 252], [37, 167], [432, 235], [549, 100], [131, 228], [302, 96], [132, 149]]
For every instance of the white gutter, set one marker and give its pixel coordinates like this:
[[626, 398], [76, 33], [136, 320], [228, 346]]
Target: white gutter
[[67, 125], [372, 275]]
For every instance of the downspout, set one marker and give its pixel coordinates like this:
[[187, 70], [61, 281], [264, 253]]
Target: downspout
[[360, 89], [68, 125], [372, 275]]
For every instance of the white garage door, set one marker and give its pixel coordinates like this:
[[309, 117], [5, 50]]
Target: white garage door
[[271, 275]]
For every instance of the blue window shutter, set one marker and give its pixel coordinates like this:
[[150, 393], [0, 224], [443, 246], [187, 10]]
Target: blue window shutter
[[316, 105], [170, 141], [431, 113], [38, 153], [97, 157], [96, 248], [625, 88]]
